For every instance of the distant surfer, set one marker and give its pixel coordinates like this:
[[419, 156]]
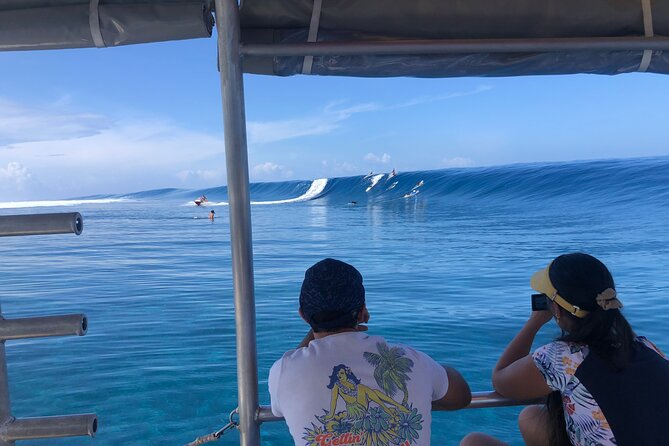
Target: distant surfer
[[392, 174], [414, 190], [212, 215], [353, 203]]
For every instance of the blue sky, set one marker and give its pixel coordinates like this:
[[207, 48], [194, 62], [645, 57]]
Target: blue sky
[[117, 120]]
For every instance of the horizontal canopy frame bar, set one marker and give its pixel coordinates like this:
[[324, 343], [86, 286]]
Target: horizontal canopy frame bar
[[407, 47], [480, 400]]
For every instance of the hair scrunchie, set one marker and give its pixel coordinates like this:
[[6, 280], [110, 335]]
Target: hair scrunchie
[[608, 299]]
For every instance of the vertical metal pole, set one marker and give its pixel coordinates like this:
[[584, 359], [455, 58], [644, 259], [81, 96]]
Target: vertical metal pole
[[234, 118]]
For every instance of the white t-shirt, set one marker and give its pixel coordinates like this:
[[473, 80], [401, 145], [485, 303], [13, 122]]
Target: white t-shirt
[[352, 389]]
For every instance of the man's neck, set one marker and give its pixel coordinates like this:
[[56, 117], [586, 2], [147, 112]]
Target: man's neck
[[323, 334], [311, 335]]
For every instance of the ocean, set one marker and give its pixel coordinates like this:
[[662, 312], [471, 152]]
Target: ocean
[[446, 266]]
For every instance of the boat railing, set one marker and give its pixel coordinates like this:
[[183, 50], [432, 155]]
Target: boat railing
[[41, 224], [480, 400], [14, 429]]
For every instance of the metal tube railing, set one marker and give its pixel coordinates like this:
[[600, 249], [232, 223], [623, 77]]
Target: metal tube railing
[[480, 400], [50, 427], [12, 429], [41, 327], [41, 224], [5, 406], [237, 165], [399, 47]]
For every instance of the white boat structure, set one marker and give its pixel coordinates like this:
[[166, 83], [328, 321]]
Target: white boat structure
[[371, 38]]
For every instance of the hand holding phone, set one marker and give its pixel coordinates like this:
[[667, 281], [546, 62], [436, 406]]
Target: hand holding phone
[[539, 302]]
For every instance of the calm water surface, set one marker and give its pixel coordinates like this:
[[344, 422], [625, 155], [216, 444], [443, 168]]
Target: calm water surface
[[445, 272]]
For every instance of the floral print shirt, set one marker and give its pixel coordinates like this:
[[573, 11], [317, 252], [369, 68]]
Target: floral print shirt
[[586, 424]]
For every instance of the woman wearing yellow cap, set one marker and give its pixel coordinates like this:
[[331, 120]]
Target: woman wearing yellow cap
[[605, 385]]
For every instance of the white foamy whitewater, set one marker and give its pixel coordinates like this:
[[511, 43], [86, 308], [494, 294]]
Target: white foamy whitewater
[[375, 179], [316, 188], [56, 203]]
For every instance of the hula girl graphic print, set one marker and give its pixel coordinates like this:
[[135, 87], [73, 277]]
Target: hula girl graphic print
[[362, 415]]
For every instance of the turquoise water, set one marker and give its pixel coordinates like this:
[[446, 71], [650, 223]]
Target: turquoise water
[[446, 271]]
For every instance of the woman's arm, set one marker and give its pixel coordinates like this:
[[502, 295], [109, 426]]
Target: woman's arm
[[515, 375]]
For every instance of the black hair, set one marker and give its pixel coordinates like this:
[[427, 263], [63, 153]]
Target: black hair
[[326, 321], [332, 295], [579, 278]]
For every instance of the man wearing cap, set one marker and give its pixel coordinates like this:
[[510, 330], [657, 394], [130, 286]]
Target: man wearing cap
[[342, 386]]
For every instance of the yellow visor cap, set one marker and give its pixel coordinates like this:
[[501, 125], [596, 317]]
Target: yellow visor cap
[[541, 282]]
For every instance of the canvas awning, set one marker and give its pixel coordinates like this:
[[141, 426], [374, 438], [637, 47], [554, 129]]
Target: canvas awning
[[423, 38], [576, 36], [58, 24]]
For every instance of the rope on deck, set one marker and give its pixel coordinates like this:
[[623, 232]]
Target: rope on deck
[[215, 436]]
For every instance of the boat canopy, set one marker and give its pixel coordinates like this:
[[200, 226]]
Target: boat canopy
[[60, 24], [449, 38], [372, 38]]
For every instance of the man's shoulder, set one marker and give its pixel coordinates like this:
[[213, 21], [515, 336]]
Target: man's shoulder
[[288, 356], [398, 348], [367, 343]]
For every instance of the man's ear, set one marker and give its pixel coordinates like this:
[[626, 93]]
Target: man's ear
[[363, 315]]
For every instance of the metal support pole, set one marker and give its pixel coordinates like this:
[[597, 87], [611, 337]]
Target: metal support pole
[[42, 327], [234, 118], [456, 46], [41, 224]]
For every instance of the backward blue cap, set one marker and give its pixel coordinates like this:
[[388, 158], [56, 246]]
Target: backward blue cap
[[332, 294]]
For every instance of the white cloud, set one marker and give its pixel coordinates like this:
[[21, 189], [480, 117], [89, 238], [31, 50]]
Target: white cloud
[[331, 117], [457, 161], [270, 170], [143, 144], [345, 113], [14, 175], [273, 131], [327, 121], [440, 97], [383, 159], [22, 123], [336, 168], [208, 176], [76, 154]]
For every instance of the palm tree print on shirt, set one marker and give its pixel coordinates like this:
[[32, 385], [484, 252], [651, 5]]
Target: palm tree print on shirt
[[390, 369], [371, 416]]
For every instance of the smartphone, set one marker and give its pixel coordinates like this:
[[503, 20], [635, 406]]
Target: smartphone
[[539, 302]]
